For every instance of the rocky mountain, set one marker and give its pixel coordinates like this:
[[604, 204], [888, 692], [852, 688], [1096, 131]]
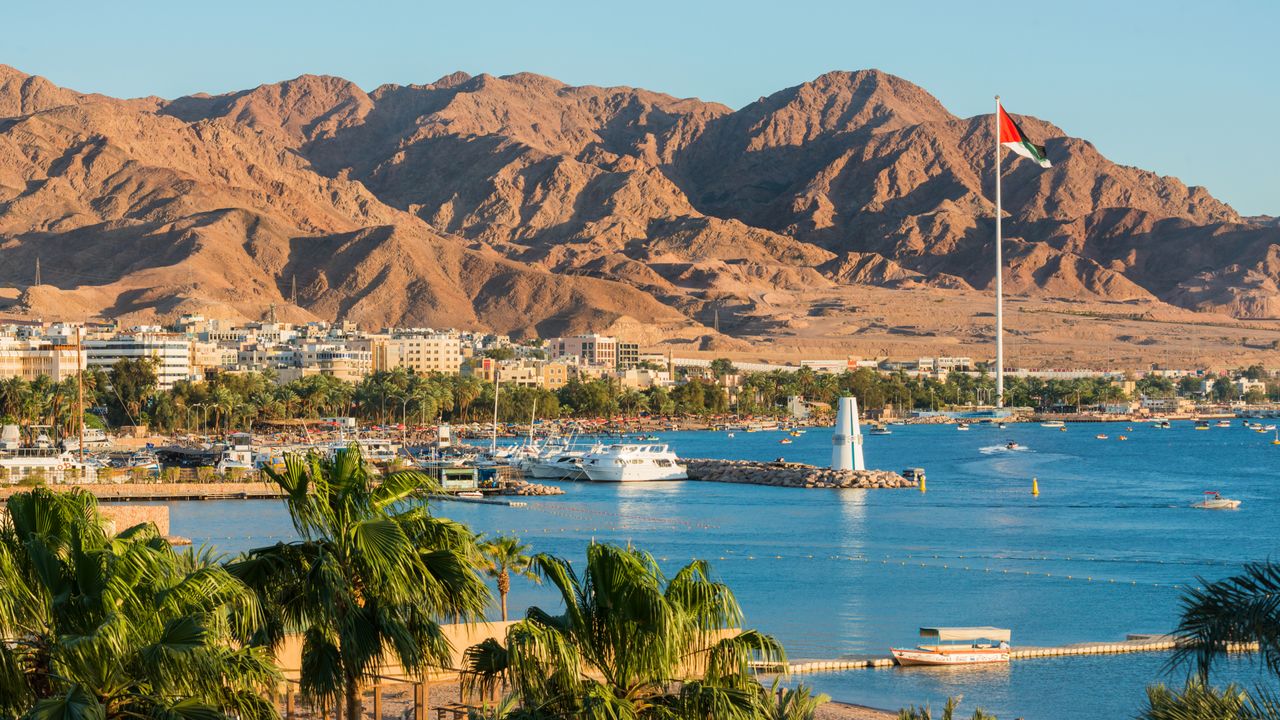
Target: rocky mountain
[[523, 204]]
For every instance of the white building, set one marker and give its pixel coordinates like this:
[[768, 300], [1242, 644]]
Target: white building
[[171, 354]]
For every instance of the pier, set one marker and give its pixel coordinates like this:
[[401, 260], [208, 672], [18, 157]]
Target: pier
[[1134, 643]]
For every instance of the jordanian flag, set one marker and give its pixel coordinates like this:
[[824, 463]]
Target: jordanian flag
[[1012, 137]]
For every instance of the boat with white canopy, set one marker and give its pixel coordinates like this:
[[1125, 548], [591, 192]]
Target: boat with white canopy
[[957, 646]]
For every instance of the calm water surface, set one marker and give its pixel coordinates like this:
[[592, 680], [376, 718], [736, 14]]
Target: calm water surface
[[1100, 553]]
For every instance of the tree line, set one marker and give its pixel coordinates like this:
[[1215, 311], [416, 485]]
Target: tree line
[[127, 394]]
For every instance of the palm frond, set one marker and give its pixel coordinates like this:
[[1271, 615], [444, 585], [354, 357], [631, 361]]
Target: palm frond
[[1244, 608]]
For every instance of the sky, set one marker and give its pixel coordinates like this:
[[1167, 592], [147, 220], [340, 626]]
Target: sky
[[1190, 89]]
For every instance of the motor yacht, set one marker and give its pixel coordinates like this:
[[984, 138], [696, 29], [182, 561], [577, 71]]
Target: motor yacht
[[633, 463]]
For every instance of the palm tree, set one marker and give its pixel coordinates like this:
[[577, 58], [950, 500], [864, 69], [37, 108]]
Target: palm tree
[[369, 580], [13, 393], [948, 712], [504, 557], [794, 703], [630, 644], [99, 628]]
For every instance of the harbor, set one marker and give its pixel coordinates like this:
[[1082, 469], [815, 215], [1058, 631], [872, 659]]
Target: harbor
[[841, 575]]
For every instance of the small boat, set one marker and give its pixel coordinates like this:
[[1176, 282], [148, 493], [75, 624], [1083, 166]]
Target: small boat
[[794, 433], [962, 426], [785, 441], [1202, 425], [471, 494], [1224, 423], [1100, 436], [1213, 501], [1053, 424], [1011, 445], [1000, 426], [1162, 425], [957, 646], [878, 429], [730, 434], [1269, 428], [1063, 428]]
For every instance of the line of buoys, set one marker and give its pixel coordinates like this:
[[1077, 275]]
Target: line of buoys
[[1137, 645]]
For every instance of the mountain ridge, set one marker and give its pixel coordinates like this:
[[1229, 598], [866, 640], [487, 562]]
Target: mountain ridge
[[519, 202]]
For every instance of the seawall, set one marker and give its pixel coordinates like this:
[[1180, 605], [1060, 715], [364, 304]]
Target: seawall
[[790, 474]]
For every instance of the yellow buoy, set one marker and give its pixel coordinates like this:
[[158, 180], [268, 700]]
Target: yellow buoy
[[922, 488], [1035, 487]]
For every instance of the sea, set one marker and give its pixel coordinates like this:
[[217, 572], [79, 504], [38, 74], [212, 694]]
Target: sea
[[1108, 548]]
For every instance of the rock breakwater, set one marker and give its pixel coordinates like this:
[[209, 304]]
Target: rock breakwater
[[790, 474], [528, 488]]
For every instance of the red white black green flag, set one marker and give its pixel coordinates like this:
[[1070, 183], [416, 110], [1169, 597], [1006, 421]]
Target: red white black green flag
[[1012, 137]]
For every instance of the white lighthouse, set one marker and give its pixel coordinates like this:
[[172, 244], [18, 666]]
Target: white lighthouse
[[846, 439]]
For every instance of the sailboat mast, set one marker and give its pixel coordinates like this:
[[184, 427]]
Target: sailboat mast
[[80, 391], [533, 416], [999, 274]]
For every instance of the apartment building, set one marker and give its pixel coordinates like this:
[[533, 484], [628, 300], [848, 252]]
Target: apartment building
[[628, 355], [597, 350], [30, 358], [337, 360], [433, 353], [550, 375]]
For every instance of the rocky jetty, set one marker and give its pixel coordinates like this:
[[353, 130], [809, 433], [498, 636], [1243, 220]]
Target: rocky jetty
[[790, 474], [528, 488]]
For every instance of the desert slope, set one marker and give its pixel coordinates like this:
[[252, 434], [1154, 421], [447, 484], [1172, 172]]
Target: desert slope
[[523, 204]]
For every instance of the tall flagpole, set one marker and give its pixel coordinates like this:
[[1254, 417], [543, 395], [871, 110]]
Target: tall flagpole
[[999, 276]]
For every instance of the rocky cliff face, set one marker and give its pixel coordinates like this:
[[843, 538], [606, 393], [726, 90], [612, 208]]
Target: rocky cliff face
[[520, 202]]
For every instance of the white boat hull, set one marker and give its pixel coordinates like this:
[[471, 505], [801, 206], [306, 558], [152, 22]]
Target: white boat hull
[[1223, 504], [975, 656], [553, 471], [630, 473]]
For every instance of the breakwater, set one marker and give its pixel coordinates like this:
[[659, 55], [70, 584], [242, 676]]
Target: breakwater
[[792, 474]]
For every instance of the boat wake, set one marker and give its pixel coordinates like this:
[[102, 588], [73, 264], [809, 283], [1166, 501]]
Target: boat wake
[[994, 449]]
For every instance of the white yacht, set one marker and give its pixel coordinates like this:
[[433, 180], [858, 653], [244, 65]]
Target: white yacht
[[633, 463], [237, 455], [566, 464], [94, 439]]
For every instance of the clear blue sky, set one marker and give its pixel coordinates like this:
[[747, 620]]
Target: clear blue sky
[[1190, 89]]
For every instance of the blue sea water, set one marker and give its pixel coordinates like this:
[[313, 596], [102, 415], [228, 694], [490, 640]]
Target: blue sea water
[[1105, 549]]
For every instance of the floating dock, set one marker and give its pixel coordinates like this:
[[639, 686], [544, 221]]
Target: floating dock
[[1131, 644]]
